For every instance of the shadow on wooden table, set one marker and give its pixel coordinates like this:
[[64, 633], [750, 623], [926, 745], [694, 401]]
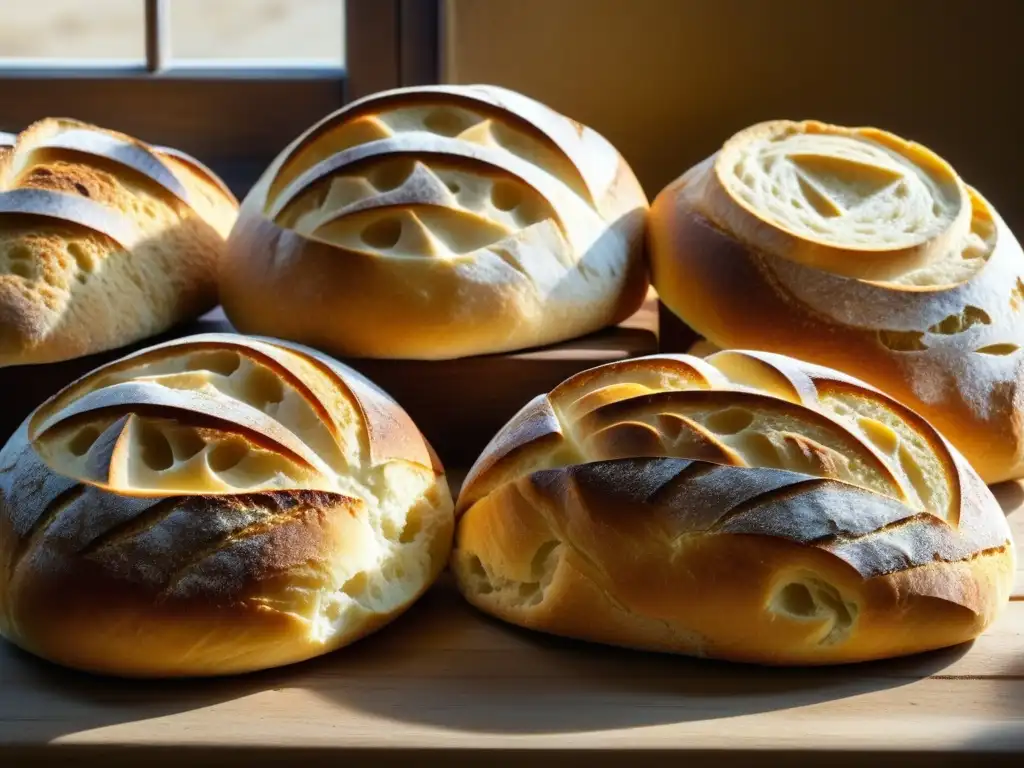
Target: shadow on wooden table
[[501, 679], [1006, 734], [444, 665]]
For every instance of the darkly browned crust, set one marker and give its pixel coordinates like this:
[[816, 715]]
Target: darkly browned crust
[[674, 565], [33, 498], [846, 520], [212, 579], [291, 531], [138, 582], [686, 556]]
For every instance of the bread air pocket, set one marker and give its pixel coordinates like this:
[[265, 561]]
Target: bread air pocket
[[213, 505], [104, 241], [438, 222], [860, 250]]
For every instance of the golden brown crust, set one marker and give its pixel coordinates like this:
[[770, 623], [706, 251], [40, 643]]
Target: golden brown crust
[[256, 517], [104, 241], [835, 525], [438, 222], [935, 322]]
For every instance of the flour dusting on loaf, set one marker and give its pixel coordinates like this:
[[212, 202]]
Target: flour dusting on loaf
[[104, 240], [438, 222], [862, 251], [214, 505]]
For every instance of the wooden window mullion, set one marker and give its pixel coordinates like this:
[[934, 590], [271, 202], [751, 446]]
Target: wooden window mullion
[[158, 35]]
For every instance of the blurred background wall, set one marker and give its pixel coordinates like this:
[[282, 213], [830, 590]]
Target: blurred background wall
[[668, 80]]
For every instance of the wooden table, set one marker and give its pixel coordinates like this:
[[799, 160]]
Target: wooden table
[[445, 682]]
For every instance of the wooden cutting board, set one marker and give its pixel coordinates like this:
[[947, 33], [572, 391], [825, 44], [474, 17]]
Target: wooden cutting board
[[459, 404], [444, 685]]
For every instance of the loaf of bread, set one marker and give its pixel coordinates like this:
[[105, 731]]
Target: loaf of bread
[[746, 506], [438, 222], [104, 240], [214, 505], [857, 250]]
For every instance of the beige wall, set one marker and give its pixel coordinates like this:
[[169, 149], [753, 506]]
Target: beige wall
[[668, 80]]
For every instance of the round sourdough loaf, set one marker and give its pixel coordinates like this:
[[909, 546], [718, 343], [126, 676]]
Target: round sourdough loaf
[[438, 222], [747, 506], [858, 250], [215, 505], [104, 240]]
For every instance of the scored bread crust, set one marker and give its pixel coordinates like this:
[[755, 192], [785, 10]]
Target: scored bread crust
[[104, 240], [863, 252], [214, 505], [747, 506], [437, 222]]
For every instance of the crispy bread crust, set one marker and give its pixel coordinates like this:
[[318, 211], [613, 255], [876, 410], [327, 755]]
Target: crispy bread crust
[[143, 533], [949, 348], [104, 241], [438, 222], [794, 549]]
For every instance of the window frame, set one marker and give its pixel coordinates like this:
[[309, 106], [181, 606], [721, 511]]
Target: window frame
[[234, 118]]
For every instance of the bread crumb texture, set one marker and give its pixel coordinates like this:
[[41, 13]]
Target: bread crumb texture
[[104, 240], [214, 505], [472, 219], [859, 250], [743, 506]]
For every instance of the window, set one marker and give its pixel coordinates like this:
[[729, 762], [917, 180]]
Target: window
[[231, 81]]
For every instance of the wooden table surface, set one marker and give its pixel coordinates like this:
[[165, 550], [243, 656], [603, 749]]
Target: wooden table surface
[[445, 682]]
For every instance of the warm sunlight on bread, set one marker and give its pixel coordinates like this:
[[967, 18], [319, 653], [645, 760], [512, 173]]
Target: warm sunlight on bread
[[746, 506], [104, 240], [856, 249], [215, 505], [439, 222]]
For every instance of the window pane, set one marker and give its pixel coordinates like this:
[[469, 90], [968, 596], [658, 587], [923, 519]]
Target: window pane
[[73, 29], [299, 30]]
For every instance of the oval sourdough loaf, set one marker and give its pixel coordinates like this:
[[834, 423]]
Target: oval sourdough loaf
[[855, 249], [104, 240], [438, 222], [212, 505], [747, 506]]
